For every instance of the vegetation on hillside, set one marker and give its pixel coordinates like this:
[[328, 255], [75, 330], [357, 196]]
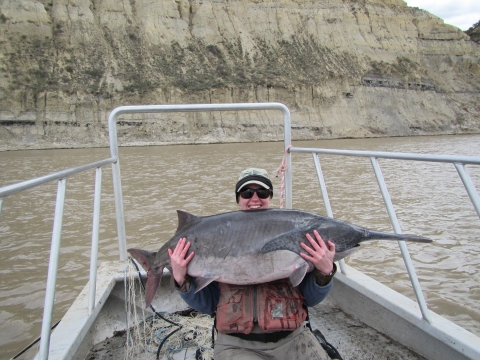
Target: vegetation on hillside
[[285, 64], [474, 32], [110, 64], [37, 65]]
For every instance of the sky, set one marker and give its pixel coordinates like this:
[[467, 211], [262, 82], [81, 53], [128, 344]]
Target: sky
[[460, 13]]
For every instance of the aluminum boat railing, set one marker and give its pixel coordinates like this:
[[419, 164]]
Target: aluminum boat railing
[[112, 130], [61, 177], [458, 161]]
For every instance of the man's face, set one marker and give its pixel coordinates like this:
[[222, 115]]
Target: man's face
[[254, 202]]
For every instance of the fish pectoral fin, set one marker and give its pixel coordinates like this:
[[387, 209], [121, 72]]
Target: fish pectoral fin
[[298, 274], [344, 253], [204, 281], [288, 241]]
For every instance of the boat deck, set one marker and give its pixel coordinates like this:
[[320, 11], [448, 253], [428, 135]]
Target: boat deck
[[352, 338]]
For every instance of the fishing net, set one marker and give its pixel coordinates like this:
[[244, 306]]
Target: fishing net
[[180, 335]]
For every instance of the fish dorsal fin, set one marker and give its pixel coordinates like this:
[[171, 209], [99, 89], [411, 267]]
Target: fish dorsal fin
[[184, 218]]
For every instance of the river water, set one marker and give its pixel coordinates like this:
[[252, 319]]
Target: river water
[[429, 199]]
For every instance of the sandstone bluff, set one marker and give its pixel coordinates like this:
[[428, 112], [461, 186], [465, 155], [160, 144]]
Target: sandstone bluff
[[345, 68]]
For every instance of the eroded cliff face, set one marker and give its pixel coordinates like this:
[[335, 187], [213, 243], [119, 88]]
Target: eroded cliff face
[[345, 68]]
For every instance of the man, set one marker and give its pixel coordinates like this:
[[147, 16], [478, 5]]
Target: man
[[263, 321]]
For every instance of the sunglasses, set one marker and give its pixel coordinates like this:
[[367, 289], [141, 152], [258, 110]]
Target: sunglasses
[[261, 193]]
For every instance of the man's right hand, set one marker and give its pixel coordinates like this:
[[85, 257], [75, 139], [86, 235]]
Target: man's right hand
[[179, 262]]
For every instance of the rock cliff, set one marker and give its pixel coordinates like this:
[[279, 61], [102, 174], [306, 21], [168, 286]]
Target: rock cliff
[[345, 68]]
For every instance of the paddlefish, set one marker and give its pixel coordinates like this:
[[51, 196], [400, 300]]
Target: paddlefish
[[254, 246]]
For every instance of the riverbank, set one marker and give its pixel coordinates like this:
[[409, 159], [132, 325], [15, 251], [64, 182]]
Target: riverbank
[[42, 144], [339, 69]]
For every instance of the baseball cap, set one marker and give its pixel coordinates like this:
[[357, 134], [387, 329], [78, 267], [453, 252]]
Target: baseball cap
[[253, 176]]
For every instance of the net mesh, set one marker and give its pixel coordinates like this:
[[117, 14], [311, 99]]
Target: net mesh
[[181, 335]]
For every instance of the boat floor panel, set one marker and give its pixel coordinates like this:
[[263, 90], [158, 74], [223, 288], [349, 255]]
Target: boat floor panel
[[352, 338]]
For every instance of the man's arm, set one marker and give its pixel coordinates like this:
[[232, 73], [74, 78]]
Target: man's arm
[[205, 300], [315, 286]]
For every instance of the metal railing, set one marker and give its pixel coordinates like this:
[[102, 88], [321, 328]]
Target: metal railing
[[112, 130], [458, 161], [62, 176]]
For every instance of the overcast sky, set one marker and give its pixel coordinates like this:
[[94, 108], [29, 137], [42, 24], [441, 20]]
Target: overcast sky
[[461, 13]]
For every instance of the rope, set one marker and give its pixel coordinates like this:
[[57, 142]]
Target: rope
[[281, 169], [136, 328], [34, 342], [161, 335]]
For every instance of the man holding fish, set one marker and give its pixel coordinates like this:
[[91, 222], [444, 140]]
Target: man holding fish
[[262, 321], [258, 269]]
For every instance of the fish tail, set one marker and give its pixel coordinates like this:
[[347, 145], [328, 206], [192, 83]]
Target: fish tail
[[146, 260], [151, 288], [378, 235]]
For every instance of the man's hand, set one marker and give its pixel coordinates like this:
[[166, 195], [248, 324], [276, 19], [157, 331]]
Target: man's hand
[[179, 262], [318, 254]]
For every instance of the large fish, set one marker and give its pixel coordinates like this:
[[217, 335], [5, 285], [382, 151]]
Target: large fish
[[253, 247]]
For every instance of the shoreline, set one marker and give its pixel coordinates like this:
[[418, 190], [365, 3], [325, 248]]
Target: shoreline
[[64, 146]]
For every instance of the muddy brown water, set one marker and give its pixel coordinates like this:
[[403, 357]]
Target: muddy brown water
[[428, 197]]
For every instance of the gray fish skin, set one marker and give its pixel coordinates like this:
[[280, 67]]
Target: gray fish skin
[[255, 246], [346, 237]]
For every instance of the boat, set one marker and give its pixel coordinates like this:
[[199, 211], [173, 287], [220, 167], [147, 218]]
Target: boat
[[390, 323]]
